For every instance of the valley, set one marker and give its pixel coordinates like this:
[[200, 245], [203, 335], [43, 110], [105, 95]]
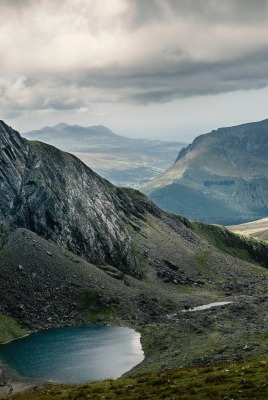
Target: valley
[[121, 160], [76, 250]]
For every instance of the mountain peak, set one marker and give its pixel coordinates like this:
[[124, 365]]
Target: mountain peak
[[5, 128], [61, 125], [65, 214]]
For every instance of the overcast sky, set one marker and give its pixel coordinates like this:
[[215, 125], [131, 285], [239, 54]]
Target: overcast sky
[[171, 69]]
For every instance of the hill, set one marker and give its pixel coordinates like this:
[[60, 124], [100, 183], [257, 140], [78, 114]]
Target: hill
[[257, 229], [76, 249], [242, 380], [121, 160], [222, 177]]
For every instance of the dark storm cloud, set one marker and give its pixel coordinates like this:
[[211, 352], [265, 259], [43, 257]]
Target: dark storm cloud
[[211, 11], [65, 55], [186, 78]]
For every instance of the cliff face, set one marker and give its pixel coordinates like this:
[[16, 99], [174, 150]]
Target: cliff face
[[14, 153], [55, 195], [222, 177]]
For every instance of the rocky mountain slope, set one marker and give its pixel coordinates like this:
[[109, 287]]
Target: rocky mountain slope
[[74, 249], [222, 177], [121, 160]]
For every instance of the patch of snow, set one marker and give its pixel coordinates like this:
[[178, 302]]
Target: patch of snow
[[207, 306]]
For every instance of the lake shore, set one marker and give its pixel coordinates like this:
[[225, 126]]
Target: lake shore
[[11, 383], [17, 387]]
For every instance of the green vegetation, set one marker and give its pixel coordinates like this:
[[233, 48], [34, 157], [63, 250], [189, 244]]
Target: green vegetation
[[10, 329], [90, 298], [35, 180], [247, 249], [4, 231], [35, 143], [239, 380], [132, 193], [190, 202], [94, 302], [204, 185], [194, 338]]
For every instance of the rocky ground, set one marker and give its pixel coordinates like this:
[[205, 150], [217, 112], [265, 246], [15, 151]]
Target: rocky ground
[[44, 286], [75, 249]]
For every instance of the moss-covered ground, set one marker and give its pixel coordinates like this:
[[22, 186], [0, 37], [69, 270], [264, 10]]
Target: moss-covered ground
[[10, 329]]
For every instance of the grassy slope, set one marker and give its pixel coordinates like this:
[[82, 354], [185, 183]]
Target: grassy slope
[[177, 197], [10, 329], [226, 332], [238, 380], [257, 229], [219, 179], [248, 249]]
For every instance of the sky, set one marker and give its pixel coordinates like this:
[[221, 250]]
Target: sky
[[168, 69]]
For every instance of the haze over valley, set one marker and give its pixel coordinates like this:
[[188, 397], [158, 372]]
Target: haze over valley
[[121, 160]]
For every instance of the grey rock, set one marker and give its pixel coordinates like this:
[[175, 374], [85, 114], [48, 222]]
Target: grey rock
[[55, 195]]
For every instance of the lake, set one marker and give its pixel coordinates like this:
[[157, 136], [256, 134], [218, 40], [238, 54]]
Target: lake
[[74, 354]]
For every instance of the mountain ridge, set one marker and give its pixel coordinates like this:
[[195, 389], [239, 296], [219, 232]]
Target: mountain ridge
[[62, 126], [36, 183], [220, 178], [123, 161]]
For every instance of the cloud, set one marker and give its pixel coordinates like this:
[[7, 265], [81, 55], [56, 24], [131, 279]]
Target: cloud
[[68, 54]]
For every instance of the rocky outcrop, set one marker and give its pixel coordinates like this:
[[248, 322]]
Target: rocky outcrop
[[14, 155], [55, 195]]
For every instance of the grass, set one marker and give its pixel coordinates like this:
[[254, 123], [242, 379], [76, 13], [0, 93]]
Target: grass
[[94, 302], [239, 380], [9, 329], [247, 249]]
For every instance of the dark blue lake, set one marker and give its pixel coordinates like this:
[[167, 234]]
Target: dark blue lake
[[74, 354]]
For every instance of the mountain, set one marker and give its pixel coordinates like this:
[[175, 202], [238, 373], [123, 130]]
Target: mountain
[[76, 249], [257, 229], [121, 160], [222, 177]]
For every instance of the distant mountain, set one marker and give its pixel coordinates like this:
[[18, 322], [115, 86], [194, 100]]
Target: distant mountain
[[77, 138], [121, 160], [222, 177]]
